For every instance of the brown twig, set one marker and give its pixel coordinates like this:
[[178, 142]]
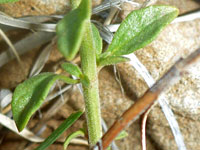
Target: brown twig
[[150, 96]]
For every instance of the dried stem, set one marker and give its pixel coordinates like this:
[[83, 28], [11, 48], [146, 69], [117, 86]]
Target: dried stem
[[143, 126], [150, 96]]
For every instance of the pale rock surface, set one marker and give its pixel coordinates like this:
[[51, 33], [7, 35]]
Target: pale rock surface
[[35, 7], [38, 7]]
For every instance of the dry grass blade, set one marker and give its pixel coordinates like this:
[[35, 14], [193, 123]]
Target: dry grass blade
[[143, 126], [106, 5], [148, 3], [5, 98], [104, 32], [184, 18], [11, 47], [42, 59], [26, 24], [143, 103], [55, 107], [79, 141], [111, 15], [6, 28], [10, 124], [118, 78], [112, 3], [188, 17], [64, 89], [36, 39], [41, 19]]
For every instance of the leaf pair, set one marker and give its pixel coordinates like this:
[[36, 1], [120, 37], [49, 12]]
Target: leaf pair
[[70, 31]]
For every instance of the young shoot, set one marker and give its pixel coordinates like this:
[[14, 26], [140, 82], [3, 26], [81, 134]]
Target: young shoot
[[76, 34]]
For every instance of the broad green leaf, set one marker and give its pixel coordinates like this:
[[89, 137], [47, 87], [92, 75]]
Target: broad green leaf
[[7, 1], [97, 40], [29, 95], [72, 136], [55, 135], [111, 60], [72, 69], [71, 28], [140, 28]]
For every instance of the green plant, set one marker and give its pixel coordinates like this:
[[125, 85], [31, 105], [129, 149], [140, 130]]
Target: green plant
[[76, 34]]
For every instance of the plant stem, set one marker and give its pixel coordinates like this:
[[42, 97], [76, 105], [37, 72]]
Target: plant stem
[[91, 90]]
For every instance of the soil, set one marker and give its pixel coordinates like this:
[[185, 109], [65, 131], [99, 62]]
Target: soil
[[113, 100]]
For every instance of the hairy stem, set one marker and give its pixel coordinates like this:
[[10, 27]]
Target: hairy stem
[[90, 90]]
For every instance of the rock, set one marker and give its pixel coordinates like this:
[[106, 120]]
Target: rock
[[184, 6], [38, 7], [35, 7], [178, 40]]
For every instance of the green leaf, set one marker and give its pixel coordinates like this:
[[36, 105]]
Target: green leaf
[[97, 40], [111, 60], [72, 136], [71, 28], [72, 69], [64, 126], [29, 95], [121, 135], [7, 1], [140, 28]]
